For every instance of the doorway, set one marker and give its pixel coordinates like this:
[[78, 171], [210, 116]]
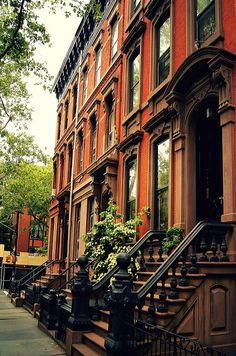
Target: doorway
[[209, 175]]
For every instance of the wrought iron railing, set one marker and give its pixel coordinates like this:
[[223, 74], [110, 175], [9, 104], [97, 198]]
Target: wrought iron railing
[[145, 340], [17, 285]]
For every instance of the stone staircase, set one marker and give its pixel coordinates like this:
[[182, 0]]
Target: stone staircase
[[170, 305]]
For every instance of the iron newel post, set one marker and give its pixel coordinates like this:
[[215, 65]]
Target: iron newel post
[[80, 318], [121, 300]]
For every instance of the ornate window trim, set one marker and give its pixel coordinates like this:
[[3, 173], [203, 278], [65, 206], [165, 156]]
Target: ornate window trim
[[215, 39]]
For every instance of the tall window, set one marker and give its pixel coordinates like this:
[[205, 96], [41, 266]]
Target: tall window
[[93, 134], [161, 184], [75, 94], [61, 171], [54, 175], [163, 49], [81, 151], [77, 228], [85, 86], [110, 121], [70, 156], [114, 39], [66, 114], [205, 19], [134, 79], [90, 214], [131, 189], [98, 65], [59, 127], [134, 6]]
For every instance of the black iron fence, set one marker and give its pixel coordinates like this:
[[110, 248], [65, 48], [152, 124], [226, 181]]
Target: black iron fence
[[143, 339]]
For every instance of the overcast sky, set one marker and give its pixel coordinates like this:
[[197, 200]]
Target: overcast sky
[[44, 104]]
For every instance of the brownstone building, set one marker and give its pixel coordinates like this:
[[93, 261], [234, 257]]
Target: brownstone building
[[146, 115]]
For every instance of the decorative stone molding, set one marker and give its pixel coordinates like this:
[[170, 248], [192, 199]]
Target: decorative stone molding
[[133, 36], [156, 9]]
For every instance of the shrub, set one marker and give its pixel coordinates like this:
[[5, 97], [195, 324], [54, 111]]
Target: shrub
[[109, 237], [174, 236]]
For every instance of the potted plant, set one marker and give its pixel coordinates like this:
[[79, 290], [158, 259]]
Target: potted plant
[[174, 236]]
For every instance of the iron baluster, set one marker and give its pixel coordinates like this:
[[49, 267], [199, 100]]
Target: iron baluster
[[60, 301], [183, 280], [140, 305], [160, 249], [133, 267], [151, 250], [163, 296], [96, 316], [203, 248], [214, 258], [193, 258], [174, 294], [152, 309], [142, 261], [224, 249]]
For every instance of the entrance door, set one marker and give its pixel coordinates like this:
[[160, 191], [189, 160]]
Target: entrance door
[[209, 184]]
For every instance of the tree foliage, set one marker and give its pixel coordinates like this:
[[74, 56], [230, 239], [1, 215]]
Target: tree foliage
[[109, 237], [28, 187]]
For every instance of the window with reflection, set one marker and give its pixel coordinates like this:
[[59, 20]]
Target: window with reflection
[[77, 228], [161, 172], [98, 65], [75, 94], [131, 188], [110, 120], [59, 127], [114, 38], [61, 171], [81, 150], [90, 214], [93, 136], [70, 159], [85, 86], [205, 19], [134, 6], [163, 49], [66, 114], [134, 79]]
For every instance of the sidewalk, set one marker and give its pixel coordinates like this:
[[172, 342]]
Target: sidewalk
[[19, 334]]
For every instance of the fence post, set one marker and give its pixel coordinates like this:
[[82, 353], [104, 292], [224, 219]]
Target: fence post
[[60, 301], [80, 318], [122, 300], [48, 309]]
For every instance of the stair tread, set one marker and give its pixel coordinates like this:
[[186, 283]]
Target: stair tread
[[95, 339], [100, 324], [167, 285], [84, 350], [178, 274], [163, 315]]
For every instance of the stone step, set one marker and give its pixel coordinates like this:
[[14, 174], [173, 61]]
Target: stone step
[[100, 328], [94, 342], [83, 350]]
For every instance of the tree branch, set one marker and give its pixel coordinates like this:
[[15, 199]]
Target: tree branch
[[17, 29], [6, 112]]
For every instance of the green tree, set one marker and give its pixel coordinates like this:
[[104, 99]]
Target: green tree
[[21, 31], [28, 187]]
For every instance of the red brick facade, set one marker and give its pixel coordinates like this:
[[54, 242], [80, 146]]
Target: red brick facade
[[185, 99]]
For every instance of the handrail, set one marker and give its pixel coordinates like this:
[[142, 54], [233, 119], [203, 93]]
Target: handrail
[[33, 271], [72, 278], [37, 273], [131, 253], [61, 274], [166, 265]]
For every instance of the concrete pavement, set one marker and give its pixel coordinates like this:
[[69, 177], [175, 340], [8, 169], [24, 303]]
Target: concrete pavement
[[19, 334]]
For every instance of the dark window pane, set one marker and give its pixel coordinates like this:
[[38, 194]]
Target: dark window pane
[[134, 81], [114, 39], [205, 21], [163, 54]]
